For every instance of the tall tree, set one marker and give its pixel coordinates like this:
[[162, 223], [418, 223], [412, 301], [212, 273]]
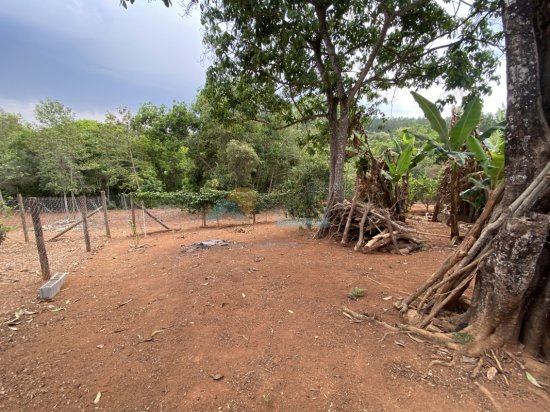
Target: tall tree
[[59, 148], [166, 131], [323, 59], [18, 155]]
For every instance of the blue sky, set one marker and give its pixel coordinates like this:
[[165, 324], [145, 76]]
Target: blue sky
[[95, 56]]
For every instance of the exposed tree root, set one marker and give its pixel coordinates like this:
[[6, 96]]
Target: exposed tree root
[[478, 251]]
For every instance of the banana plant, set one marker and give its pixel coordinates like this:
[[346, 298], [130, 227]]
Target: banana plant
[[398, 169], [488, 151], [450, 142], [408, 158]]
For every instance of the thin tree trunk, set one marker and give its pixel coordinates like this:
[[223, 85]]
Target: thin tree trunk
[[454, 189], [66, 205]]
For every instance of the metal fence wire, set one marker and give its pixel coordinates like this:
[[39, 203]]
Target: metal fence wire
[[52, 234], [59, 228]]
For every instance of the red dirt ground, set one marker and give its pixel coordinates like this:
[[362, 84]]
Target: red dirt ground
[[152, 327]]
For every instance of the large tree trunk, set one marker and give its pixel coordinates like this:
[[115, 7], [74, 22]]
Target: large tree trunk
[[511, 298], [338, 142]]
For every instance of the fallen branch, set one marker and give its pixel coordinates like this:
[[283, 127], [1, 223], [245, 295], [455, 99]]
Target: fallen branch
[[74, 224], [361, 317], [362, 228], [477, 368]]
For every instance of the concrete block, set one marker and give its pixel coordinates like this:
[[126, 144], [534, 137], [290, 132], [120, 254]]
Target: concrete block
[[52, 286]]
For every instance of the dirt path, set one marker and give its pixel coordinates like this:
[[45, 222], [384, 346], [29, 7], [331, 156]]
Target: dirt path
[[152, 328]]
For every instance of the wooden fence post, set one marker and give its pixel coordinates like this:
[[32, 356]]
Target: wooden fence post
[[84, 212], [40, 244], [66, 204], [22, 213], [105, 217], [133, 207]]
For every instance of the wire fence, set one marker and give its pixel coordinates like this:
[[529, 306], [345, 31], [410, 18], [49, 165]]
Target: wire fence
[[59, 229], [56, 234]]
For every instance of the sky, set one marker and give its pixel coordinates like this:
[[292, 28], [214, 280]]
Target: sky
[[94, 56]]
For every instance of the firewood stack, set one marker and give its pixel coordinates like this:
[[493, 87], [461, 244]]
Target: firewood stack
[[371, 228]]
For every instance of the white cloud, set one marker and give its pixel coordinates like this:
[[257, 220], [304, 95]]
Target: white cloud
[[26, 110], [401, 103]]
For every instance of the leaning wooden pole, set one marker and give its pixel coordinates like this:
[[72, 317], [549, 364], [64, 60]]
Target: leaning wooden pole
[[74, 225], [133, 209], [461, 255], [84, 212], [350, 215], [152, 217], [22, 214], [39, 235]]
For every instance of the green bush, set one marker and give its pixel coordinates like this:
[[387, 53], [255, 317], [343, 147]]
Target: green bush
[[305, 190], [423, 190]]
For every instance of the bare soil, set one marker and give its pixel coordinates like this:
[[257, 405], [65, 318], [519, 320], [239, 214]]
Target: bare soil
[[255, 325]]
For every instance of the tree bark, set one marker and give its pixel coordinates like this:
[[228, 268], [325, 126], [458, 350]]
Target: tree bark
[[506, 283], [511, 300], [338, 141], [454, 198]]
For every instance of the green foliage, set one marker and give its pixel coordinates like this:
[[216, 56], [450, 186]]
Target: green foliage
[[245, 198], [276, 149], [163, 135], [332, 60], [159, 149], [51, 113], [18, 154], [218, 202], [423, 189], [450, 143], [356, 293], [242, 162], [190, 201], [403, 162], [434, 117], [268, 201], [467, 123], [309, 52], [462, 338], [305, 189], [488, 151]]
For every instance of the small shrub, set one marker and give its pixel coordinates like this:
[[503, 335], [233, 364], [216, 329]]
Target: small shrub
[[462, 338], [3, 232], [356, 293]]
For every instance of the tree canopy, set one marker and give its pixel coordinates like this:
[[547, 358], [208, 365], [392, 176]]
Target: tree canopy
[[307, 60]]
